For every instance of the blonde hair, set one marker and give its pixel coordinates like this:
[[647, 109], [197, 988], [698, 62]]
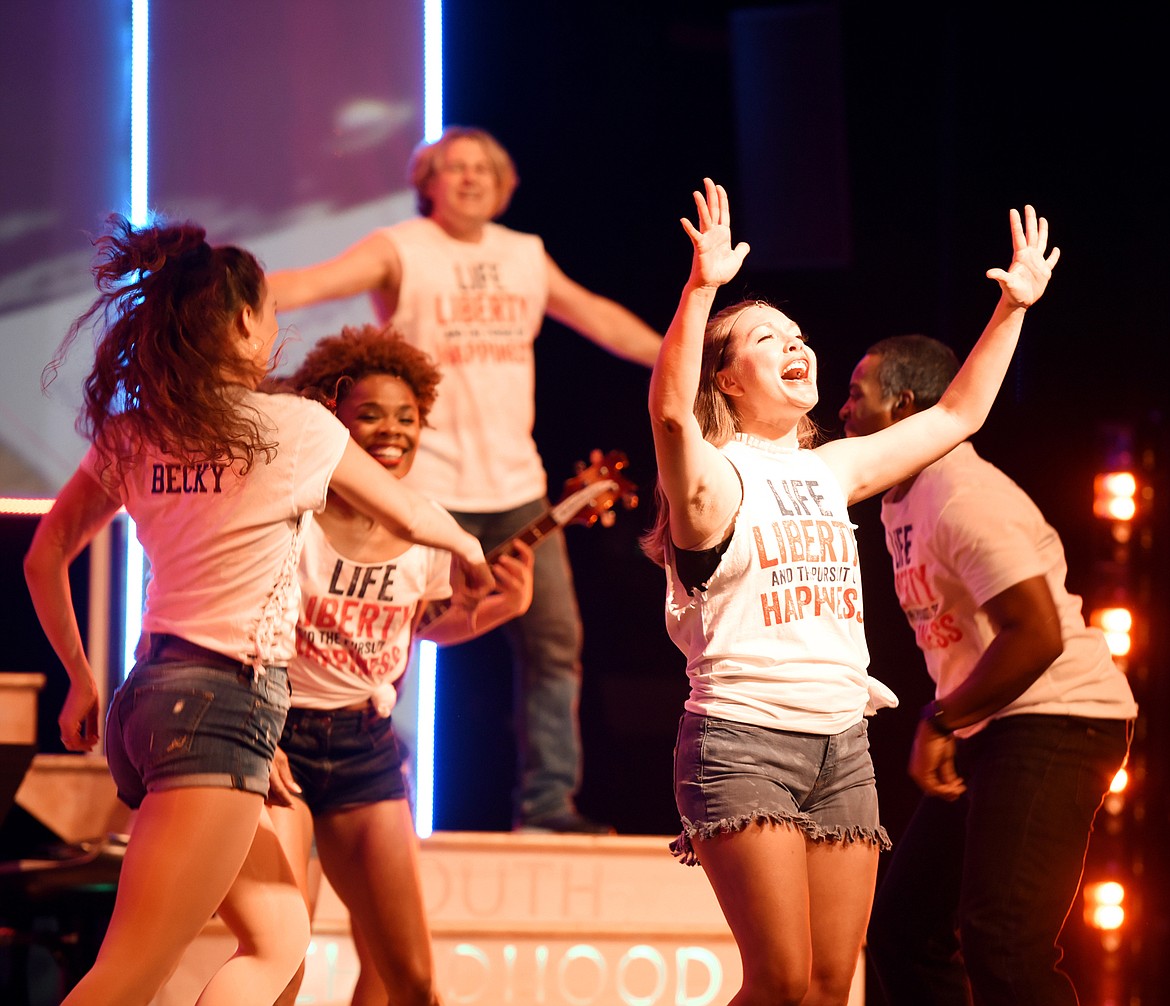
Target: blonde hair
[[427, 158]]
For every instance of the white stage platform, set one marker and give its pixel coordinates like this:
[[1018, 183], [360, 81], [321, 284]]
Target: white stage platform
[[516, 919], [534, 920]]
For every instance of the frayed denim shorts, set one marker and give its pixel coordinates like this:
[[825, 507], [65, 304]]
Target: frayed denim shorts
[[187, 716], [343, 758], [729, 775]]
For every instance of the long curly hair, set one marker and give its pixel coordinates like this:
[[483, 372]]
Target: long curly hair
[[166, 365], [715, 412], [336, 363]]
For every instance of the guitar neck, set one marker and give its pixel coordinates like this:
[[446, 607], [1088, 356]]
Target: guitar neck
[[531, 534]]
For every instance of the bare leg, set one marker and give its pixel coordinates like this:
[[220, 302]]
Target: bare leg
[[294, 829], [841, 880], [370, 855], [760, 877], [268, 915], [187, 846], [369, 990]]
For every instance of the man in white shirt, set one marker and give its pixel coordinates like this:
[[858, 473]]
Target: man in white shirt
[[1030, 722], [474, 295]]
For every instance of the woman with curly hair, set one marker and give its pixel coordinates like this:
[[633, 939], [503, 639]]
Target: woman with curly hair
[[219, 479], [773, 778], [364, 589]]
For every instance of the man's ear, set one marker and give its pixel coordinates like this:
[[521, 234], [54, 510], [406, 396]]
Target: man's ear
[[904, 405]]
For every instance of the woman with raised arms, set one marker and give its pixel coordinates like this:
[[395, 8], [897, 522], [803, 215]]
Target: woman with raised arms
[[773, 778]]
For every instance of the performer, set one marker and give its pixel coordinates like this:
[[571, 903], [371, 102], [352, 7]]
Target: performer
[[218, 479], [1030, 723], [773, 777], [473, 294], [339, 769]]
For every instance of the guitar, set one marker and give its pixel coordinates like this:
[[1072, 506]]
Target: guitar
[[588, 498]]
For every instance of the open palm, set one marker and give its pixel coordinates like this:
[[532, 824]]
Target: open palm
[[715, 261], [1024, 281]]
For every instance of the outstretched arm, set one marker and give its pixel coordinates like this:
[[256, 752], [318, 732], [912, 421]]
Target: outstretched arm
[[702, 490], [367, 486], [371, 264], [870, 464], [600, 319], [82, 509]]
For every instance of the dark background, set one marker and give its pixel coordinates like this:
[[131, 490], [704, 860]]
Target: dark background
[[877, 215], [871, 152]]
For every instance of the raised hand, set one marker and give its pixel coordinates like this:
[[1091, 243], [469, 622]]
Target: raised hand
[[715, 261], [1024, 281]]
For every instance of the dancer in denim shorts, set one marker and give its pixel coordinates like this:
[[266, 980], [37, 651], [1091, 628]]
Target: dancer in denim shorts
[[364, 591], [773, 778], [219, 479]]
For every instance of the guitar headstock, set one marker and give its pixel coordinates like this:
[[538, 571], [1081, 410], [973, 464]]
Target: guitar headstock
[[603, 476]]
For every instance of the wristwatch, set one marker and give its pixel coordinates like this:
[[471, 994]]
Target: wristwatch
[[932, 714]]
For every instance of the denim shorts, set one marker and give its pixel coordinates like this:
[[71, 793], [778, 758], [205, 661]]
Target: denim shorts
[[189, 717], [728, 775], [343, 758]]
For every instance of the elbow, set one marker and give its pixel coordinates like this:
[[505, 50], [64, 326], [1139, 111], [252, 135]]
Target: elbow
[[1047, 637], [967, 422], [34, 562], [667, 431], [1044, 645], [667, 414], [666, 424], [1051, 644]]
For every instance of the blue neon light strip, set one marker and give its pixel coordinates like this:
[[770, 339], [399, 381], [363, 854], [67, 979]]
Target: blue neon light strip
[[424, 808], [428, 657], [432, 69], [139, 109], [135, 559], [139, 202]]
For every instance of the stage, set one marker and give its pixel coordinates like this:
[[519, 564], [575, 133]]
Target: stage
[[536, 920], [524, 919]]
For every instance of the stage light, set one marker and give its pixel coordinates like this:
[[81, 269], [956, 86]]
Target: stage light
[[1114, 802], [24, 507], [1115, 496], [1117, 625], [432, 70], [424, 807], [1103, 905], [139, 112]]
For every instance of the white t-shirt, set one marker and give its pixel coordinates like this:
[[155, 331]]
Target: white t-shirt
[[223, 546], [353, 634], [777, 637], [476, 308], [964, 533]]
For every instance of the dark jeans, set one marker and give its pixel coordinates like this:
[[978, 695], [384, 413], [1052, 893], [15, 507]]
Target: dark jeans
[[546, 653], [978, 889]]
